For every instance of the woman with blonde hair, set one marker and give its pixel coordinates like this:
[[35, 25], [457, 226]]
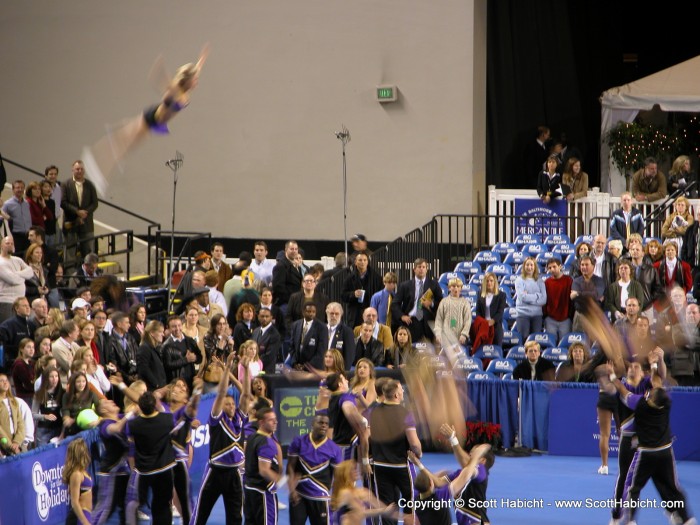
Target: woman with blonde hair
[[51, 329], [491, 304], [95, 373], [531, 296], [75, 475], [677, 222], [680, 176], [350, 503], [192, 328], [362, 384]]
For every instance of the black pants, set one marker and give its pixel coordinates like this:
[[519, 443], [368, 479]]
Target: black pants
[[660, 466], [317, 512], [391, 484], [161, 486], [217, 482], [181, 479], [624, 458], [260, 507]]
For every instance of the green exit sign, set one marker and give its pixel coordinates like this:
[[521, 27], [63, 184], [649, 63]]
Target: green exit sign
[[387, 93]]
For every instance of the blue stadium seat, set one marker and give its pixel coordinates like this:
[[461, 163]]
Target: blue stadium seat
[[481, 376], [487, 257], [588, 239], [512, 338], [509, 314], [517, 353], [573, 337], [470, 293], [563, 250], [555, 239], [468, 267], [469, 364], [489, 352], [509, 300], [507, 377], [542, 258], [545, 339], [501, 366], [500, 269], [569, 262], [532, 250], [445, 277], [475, 279], [508, 291], [504, 248], [509, 281], [555, 354], [526, 238], [445, 289]]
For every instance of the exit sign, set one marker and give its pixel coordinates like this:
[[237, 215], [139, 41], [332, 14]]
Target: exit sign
[[387, 93]]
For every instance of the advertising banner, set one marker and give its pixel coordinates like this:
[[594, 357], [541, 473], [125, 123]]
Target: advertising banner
[[540, 218]]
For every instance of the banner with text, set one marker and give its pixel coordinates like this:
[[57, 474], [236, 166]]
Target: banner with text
[[534, 217]]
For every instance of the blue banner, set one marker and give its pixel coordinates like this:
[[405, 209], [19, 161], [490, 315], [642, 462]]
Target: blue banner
[[539, 218]]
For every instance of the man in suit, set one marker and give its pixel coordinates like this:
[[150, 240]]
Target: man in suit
[[536, 153], [286, 277], [340, 335], [359, 287], [309, 339], [269, 341], [380, 332], [416, 302], [79, 202], [367, 347]]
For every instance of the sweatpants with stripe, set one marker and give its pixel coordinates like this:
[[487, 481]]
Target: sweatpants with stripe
[[260, 507], [183, 489], [219, 481], [393, 482], [161, 485], [110, 495], [318, 512], [658, 464], [625, 454]]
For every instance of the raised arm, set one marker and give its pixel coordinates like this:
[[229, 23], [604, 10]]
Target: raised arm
[[218, 405]]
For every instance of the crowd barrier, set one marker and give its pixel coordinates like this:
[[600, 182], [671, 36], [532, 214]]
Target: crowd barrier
[[556, 417]]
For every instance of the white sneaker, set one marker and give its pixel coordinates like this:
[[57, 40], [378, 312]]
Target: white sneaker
[[141, 515], [280, 505], [603, 470], [176, 514]]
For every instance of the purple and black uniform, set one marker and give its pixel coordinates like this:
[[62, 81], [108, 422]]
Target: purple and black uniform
[[222, 475], [114, 474], [653, 458], [314, 467], [464, 513], [181, 473], [343, 433], [435, 508], [627, 438], [260, 494]]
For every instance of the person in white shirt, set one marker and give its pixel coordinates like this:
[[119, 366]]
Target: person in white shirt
[[13, 274], [261, 266]]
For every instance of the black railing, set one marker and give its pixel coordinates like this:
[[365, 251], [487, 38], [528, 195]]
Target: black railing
[[112, 248]]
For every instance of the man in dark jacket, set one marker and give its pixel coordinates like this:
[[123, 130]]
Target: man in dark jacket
[[368, 347], [359, 287], [180, 353], [416, 303], [16, 328]]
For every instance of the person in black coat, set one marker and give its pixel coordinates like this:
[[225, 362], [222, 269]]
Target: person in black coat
[[549, 183], [543, 368], [368, 347], [494, 310], [286, 277], [149, 362], [269, 341], [412, 309], [180, 353], [309, 339], [340, 335], [358, 289]]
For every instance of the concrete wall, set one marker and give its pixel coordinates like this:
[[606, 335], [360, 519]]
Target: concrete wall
[[261, 158]]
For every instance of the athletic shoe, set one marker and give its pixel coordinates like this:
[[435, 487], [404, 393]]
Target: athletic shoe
[[176, 514], [141, 515], [603, 470], [280, 505]]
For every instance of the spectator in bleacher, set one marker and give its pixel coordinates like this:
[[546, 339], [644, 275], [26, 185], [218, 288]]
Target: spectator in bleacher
[[549, 183], [79, 202], [641, 340], [20, 215], [299, 262], [191, 326], [64, 349], [672, 316], [340, 335], [359, 287], [339, 265], [80, 309], [137, 321], [218, 264], [616, 294], [122, 348], [245, 324], [16, 328], [643, 272], [40, 312], [11, 421], [626, 220], [95, 372], [558, 308], [672, 271], [211, 280], [308, 293], [648, 183], [381, 301], [46, 407], [575, 369], [277, 315], [367, 347], [101, 340], [531, 297], [402, 353], [534, 367], [13, 274], [536, 153], [380, 332], [38, 209], [490, 306], [37, 235], [680, 176], [51, 176], [575, 178], [261, 266], [582, 248], [86, 272], [87, 339], [653, 251], [685, 358], [50, 225], [149, 359], [416, 302], [286, 277], [605, 262], [180, 353], [269, 341], [23, 371], [200, 299], [309, 340], [677, 222], [586, 285], [626, 324], [453, 317]]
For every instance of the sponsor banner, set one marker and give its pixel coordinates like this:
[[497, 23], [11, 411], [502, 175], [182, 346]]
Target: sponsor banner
[[295, 408], [540, 218]]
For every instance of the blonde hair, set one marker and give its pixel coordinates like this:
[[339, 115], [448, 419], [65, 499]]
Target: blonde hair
[[678, 164], [682, 199], [535, 273], [77, 459], [529, 344], [484, 289], [455, 281], [343, 479]]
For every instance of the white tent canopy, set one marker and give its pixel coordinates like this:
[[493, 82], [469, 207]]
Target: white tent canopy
[[676, 88]]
